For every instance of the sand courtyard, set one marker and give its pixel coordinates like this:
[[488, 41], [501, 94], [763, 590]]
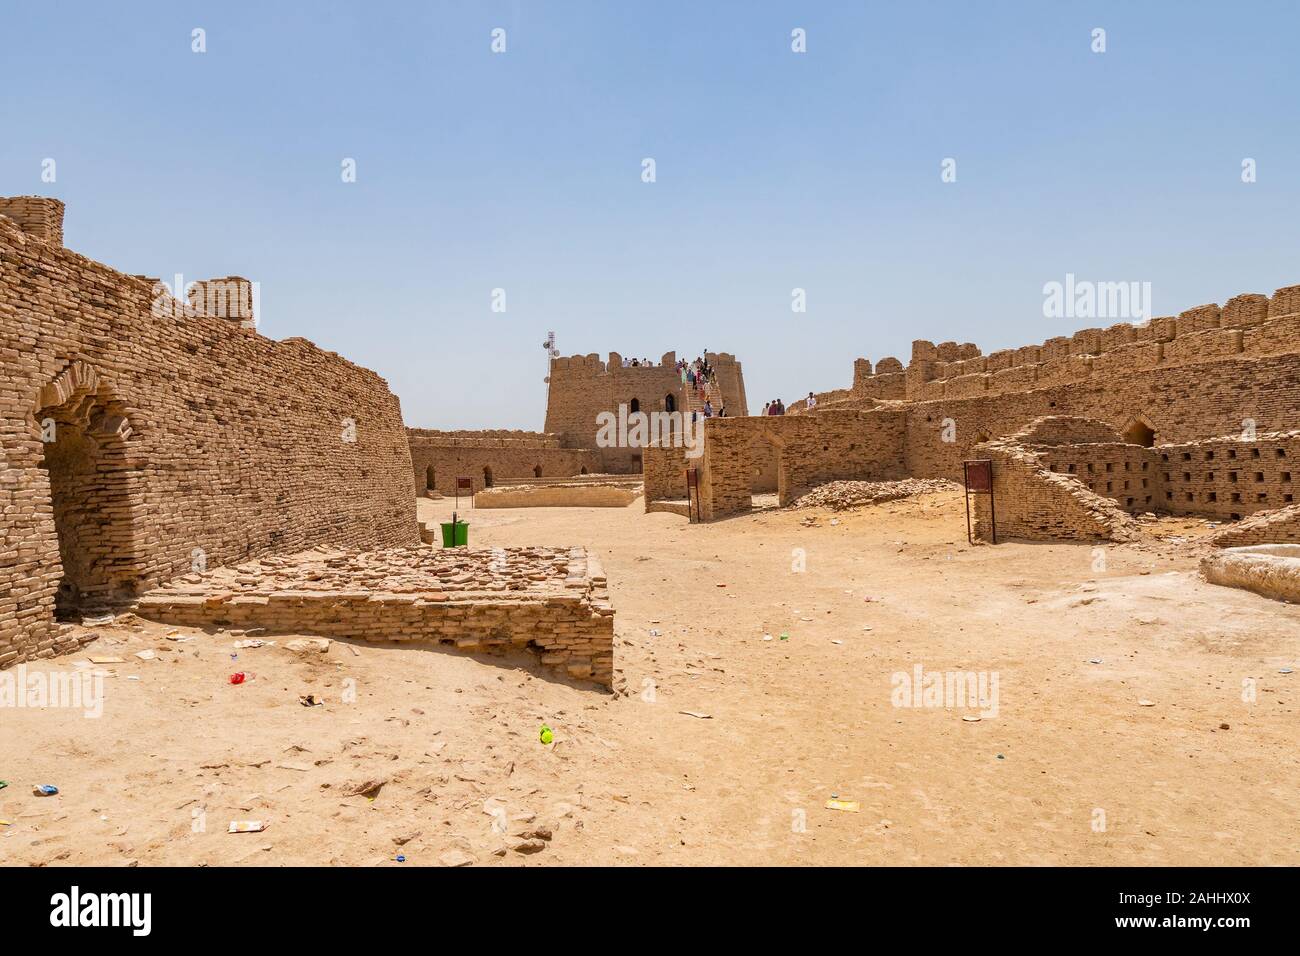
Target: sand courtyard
[[1142, 716]]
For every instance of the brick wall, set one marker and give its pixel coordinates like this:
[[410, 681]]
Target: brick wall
[[438, 458], [176, 437], [583, 386]]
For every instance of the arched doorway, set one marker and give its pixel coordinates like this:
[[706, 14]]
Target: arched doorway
[[87, 460], [634, 406], [430, 479], [583, 470], [1139, 432], [487, 476], [670, 402], [537, 471]]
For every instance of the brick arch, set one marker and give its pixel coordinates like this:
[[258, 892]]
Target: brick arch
[[91, 555], [1138, 430]]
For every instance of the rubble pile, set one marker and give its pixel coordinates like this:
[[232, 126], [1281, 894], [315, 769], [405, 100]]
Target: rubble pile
[[842, 495]]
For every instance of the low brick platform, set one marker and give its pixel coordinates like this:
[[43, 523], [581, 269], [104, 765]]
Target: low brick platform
[[551, 601]]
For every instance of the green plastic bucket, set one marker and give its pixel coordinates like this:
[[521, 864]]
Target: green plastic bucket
[[455, 533]]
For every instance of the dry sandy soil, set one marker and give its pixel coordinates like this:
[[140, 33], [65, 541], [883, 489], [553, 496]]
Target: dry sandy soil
[[630, 779]]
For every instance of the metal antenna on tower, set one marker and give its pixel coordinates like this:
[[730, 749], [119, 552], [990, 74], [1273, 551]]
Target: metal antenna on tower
[[551, 353]]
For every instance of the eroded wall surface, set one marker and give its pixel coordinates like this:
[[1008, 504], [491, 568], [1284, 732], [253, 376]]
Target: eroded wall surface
[[142, 438]]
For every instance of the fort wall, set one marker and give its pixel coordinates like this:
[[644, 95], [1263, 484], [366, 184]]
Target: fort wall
[[140, 443], [438, 458]]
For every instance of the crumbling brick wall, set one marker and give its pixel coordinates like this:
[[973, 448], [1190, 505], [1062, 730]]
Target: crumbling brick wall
[[139, 443], [810, 450], [1279, 526], [1032, 502], [438, 458]]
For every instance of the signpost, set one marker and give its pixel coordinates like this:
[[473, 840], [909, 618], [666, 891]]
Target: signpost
[[693, 482], [979, 481]]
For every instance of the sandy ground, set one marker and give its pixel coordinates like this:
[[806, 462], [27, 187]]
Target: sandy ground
[[1071, 770]]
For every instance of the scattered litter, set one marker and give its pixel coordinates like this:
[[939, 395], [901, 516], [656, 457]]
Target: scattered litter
[[785, 635], [238, 677], [1285, 670], [5, 823], [1146, 703], [310, 700], [45, 790], [108, 660], [849, 806], [98, 621], [400, 858], [246, 826], [546, 735], [695, 713], [654, 632], [1000, 757], [721, 585], [837, 642], [767, 637], [145, 655], [1225, 727], [3, 784], [866, 627], [181, 638], [1094, 660], [971, 719], [252, 642]]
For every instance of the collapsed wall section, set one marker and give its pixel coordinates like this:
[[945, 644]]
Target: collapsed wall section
[[549, 601]]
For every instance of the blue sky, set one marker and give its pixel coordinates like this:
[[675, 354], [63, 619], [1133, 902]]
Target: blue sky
[[775, 170]]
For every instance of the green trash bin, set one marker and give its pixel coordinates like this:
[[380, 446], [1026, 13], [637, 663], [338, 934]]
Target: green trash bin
[[455, 533]]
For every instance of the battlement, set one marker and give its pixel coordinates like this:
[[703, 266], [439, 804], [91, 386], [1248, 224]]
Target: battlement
[[592, 364], [39, 217], [1249, 325], [584, 386], [230, 297]]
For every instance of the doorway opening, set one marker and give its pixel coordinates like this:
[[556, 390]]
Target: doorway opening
[[85, 457], [1140, 433]]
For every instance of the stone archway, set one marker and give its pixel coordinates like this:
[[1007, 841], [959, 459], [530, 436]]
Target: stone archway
[[87, 463], [430, 478]]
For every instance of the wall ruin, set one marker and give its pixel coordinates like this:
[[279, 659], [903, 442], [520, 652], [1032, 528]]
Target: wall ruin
[[140, 442]]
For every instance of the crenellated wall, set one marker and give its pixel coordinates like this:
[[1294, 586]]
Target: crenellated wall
[[582, 386]]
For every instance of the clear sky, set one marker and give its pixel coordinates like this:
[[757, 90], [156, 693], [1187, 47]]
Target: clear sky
[[775, 170]]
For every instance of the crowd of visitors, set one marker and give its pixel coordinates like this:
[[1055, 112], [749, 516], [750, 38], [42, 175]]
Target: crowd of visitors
[[777, 407]]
